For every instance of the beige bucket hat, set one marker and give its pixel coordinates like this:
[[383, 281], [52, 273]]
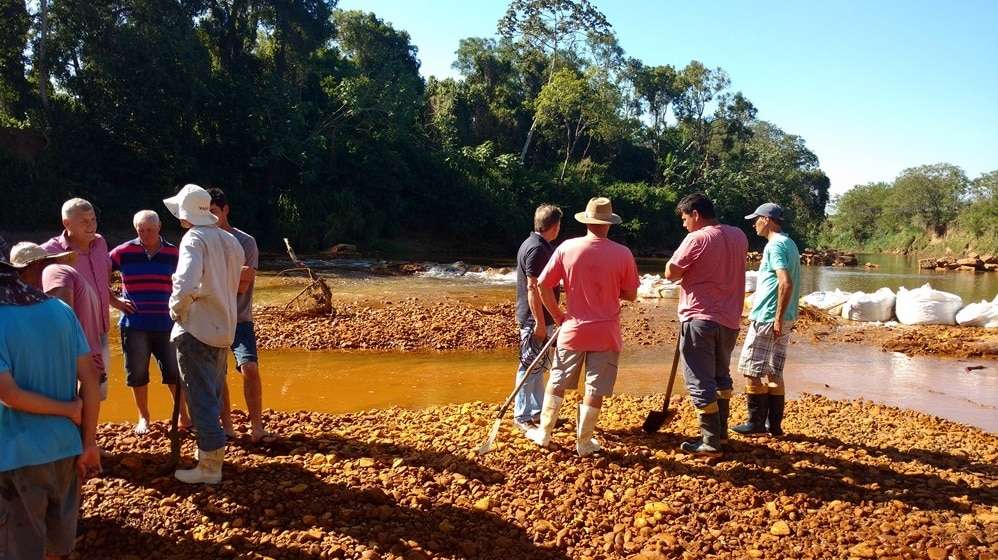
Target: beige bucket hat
[[24, 253], [599, 210], [192, 203]]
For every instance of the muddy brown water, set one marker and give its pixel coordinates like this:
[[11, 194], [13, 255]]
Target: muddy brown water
[[338, 382]]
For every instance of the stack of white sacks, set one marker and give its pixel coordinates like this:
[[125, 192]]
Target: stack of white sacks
[[920, 306]]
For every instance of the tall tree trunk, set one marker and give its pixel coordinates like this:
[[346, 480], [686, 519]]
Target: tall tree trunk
[[43, 71], [526, 144]]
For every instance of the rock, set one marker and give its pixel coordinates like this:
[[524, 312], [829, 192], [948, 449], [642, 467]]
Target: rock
[[780, 529], [863, 550], [365, 462], [483, 504], [936, 553]]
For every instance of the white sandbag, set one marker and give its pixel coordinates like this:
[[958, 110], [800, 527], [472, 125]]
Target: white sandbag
[[925, 306], [861, 306], [826, 300], [751, 281], [653, 286], [983, 314]]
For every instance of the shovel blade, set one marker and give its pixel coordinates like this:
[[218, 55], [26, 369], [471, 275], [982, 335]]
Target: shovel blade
[[491, 440], [655, 420]]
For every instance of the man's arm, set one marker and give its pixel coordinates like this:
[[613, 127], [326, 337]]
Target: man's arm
[[88, 464], [246, 276], [126, 306], [187, 279], [551, 303], [536, 302], [784, 290], [18, 399], [673, 273]]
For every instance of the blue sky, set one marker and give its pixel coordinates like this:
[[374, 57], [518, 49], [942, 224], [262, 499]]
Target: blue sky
[[873, 86]]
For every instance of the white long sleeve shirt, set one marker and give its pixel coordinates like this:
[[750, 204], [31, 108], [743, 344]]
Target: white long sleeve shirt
[[203, 301]]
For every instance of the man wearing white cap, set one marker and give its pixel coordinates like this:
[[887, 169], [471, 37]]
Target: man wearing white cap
[[597, 273], [203, 306]]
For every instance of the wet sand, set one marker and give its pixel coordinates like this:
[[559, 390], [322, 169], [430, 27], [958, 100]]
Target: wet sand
[[854, 480]]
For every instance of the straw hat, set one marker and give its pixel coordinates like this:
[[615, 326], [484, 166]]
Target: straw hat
[[192, 203], [598, 211], [24, 253]]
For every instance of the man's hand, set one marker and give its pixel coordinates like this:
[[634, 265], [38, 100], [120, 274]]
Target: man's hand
[[77, 416], [124, 305], [778, 327], [88, 463], [540, 334]]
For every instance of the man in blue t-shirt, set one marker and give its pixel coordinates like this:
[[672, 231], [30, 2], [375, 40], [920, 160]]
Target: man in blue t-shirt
[[534, 321], [43, 354], [774, 311]]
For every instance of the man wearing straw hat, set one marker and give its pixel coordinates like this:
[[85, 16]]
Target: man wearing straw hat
[[48, 436], [203, 306], [47, 272], [596, 273]]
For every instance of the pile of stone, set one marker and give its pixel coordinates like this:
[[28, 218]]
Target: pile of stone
[[971, 263], [828, 257], [854, 480]]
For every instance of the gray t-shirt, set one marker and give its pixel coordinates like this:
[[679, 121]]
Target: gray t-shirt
[[244, 301]]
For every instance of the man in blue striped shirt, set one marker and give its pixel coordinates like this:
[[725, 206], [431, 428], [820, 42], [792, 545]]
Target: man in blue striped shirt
[[147, 264]]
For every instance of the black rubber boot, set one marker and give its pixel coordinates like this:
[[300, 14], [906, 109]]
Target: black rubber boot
[[775, 415], [709, 442], [758, 410], [723, 409]]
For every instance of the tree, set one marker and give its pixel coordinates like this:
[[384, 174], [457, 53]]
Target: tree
[[555, 28], [930, 195], [15, 91]]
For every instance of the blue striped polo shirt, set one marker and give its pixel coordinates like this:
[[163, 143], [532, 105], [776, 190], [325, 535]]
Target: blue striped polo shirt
[[147, 280]]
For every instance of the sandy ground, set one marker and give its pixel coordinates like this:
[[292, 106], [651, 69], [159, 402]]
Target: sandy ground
[[854, 480]]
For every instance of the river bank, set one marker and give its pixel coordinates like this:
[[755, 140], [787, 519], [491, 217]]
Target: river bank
[[416, 323], [854, 480]]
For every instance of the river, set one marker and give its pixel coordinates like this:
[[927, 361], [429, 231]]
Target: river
[[336, 382]]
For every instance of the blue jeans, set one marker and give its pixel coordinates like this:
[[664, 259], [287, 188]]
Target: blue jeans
[[530, 397], [706, 347], [202, 369]]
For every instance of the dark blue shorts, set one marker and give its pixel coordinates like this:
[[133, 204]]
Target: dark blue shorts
[[138, 346], [244, 346]]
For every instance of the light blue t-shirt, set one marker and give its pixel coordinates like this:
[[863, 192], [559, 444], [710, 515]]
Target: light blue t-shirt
[[780, 252], [39, 345]]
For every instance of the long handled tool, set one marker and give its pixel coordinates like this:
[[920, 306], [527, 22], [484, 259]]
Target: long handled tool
[[490, 441], [657, 418], [171, 465]]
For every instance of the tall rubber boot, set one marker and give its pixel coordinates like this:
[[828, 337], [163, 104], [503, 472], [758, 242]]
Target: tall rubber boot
[[723, 409], [710, 428], [758, 409], [541, 435], [208, 469], [775, 416], [585, 444]]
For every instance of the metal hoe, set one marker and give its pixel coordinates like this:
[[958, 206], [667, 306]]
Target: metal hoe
[[490, 441], [657, 418]]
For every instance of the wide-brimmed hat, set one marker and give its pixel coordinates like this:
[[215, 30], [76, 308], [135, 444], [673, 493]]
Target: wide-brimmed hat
[[24, 253], [193, 204], [599, 210]]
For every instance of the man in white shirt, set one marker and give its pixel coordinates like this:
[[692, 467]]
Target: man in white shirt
[[203, 307]]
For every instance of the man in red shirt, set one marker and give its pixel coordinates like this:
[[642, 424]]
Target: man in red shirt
[[597, 273], [710, 266]]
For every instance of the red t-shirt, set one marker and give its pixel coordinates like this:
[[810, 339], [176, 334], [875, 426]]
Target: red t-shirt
[[85, 305], [713, 283], [594, 271]]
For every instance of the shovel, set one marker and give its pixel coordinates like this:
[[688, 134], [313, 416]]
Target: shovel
[[491, 440], [171, 465], [657, 418]]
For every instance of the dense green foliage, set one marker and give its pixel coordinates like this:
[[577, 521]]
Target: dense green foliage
[[319, 125], [931, 208]]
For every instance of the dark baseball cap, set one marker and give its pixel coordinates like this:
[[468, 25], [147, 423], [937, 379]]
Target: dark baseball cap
[[768, 210]]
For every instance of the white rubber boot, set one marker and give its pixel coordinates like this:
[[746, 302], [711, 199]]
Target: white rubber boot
[[585, 444], [541, 435], [208, 469]]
